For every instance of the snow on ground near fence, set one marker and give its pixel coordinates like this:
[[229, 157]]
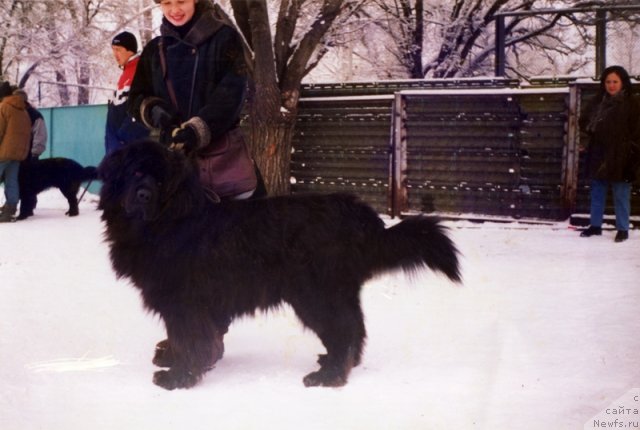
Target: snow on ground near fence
[[543, 334]]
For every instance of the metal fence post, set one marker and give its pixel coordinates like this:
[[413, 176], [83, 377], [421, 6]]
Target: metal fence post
[[601, 41], [571, 153], [398, 179], [500, 56]]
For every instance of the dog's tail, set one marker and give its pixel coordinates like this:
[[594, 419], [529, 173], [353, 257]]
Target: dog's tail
[[89, 173], [416, 242]]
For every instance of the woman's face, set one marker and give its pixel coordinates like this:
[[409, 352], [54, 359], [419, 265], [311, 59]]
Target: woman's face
[[178, 12], [612, 83]]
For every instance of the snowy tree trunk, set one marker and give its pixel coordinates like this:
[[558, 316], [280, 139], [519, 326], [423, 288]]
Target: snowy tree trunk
[[84, 80], [271, 142], [268, 130], [63, 90], [146, 21], [277, 67]]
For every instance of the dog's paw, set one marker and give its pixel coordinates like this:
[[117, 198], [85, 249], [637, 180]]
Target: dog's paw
[[172, 379], [325, 378]]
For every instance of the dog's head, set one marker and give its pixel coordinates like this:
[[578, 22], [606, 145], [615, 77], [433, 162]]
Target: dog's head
[[144, 180]]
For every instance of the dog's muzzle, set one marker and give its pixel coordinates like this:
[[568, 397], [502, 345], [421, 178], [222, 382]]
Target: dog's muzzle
[[141, 200], [143, 195]]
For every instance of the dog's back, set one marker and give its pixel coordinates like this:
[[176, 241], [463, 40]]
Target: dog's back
[[55, 172], [341, 228]]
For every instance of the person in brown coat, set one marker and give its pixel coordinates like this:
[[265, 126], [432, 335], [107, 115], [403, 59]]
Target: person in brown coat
[[15, 136], [612, 124]]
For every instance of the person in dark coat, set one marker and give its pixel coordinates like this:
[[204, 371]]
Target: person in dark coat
[[612, 124], [190, 85], [121, 128]]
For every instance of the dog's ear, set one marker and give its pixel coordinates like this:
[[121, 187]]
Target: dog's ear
[[110, 173], [110, 165], [183, 191]]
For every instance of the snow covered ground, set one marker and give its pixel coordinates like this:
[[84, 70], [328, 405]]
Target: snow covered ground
[[544, 334]]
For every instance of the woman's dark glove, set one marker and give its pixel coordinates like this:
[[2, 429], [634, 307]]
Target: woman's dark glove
[[156, 113], [184, 139], [161, 118]]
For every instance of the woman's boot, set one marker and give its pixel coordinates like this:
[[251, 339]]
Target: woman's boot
[[592, 231], [622, 235]]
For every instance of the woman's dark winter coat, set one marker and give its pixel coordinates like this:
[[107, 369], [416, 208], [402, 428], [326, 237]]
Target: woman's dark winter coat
[[206, 68], [612, 124]]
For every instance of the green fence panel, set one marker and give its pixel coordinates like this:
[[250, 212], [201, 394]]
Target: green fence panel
[[76, 132]]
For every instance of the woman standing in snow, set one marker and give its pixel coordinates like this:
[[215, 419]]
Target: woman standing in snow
[[612, 122], [190, 85]]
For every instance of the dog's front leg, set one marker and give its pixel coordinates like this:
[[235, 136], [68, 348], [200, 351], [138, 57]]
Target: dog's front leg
[[193, 347], [163, 355]]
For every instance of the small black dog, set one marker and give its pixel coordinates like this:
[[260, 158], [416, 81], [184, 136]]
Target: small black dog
[[200, 262], [65, 174]]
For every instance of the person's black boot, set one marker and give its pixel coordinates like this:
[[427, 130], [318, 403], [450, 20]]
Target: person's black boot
[[7, 213], [592, 231], [622, 235]]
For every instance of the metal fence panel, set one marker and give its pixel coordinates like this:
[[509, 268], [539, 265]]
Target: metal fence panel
[[494, 153], [485, 150], [342, 145], [76, 132]]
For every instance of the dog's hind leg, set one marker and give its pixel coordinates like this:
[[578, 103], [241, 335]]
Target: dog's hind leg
[[359, 338], [70, 192], [340, 327]]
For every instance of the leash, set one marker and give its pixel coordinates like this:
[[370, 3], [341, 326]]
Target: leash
[[85, 190]]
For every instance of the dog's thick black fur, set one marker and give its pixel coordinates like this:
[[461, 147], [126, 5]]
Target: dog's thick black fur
[[67, 175], [200, 263]]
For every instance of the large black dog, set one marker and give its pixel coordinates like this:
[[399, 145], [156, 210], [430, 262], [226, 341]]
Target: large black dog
[[65, 174], [199, 262]]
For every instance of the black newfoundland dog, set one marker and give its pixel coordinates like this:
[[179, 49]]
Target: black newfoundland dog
[[67, 175], [200, 262]]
